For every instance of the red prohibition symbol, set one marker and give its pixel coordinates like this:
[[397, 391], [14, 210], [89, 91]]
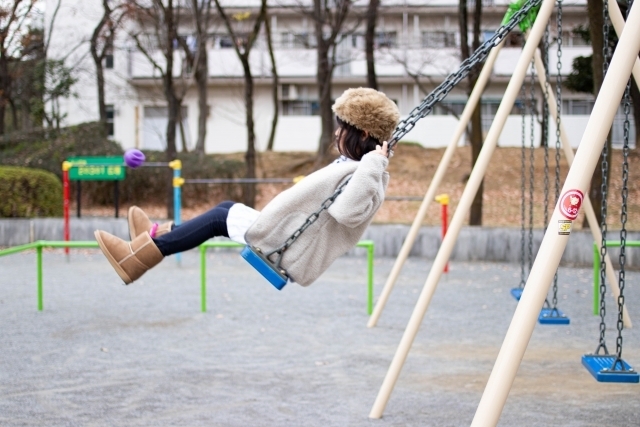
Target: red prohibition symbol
[[570, 203]]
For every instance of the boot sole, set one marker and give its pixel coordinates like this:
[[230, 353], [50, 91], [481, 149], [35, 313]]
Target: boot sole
[[127, 280]]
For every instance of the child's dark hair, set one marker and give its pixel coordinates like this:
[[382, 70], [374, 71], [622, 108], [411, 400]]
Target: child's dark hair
[[354, 145]]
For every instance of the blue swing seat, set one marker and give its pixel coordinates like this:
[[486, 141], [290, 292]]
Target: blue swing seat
[[600, 367], [277, 277], [516, 293], [550, 316]]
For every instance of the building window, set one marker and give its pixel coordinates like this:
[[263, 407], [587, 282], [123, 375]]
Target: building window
[[574, 38], [154, 128], [439, 39], [291, 40], [299, 108], [108, 58], [577, 107], [387, 39], [110, 116]]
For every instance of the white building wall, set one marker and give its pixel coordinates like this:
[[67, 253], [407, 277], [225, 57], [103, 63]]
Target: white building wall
[[129, 90]]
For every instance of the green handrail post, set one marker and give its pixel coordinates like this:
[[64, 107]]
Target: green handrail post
[[369, 244], [596, 268], [39, 274], [370, 251], [203, 278]]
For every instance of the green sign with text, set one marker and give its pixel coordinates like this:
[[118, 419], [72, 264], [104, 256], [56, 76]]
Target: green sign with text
[[96, 168]]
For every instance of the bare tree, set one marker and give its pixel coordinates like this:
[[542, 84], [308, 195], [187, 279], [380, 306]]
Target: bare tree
[[596, 22], [162, 18], [197, 58], [329, 17], [101, 45], [369, 43], [275, 84], [475, 214], [13, 20], [242, 44]]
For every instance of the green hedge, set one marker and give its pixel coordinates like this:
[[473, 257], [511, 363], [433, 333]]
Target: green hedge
[[26, 192], [48, 148]]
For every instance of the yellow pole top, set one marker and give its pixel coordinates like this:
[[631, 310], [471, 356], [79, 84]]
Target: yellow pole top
[[66, 165], [443, 199], [177, 182], [175, 164]]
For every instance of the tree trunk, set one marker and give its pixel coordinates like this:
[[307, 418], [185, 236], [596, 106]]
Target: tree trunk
[[596, 21], [249, 190], [5, 85], [202, 76], [475, 132], [173, 106], [274, 88], [370, 34], [97, 60], [324, 95], [635, 101]]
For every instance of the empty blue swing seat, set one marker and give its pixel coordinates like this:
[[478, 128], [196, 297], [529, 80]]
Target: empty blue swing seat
[[277, 277], [516, 293], [550, 316], [600, 367]]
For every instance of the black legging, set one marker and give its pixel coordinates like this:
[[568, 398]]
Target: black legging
[[195, 231]]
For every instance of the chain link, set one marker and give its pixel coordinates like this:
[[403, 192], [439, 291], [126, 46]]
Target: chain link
[[558, 125], [623, 220], [532, 115], [422, 110], [604, 167], [440, 92]]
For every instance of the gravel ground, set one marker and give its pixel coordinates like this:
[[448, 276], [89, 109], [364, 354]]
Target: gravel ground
[[102, 354]]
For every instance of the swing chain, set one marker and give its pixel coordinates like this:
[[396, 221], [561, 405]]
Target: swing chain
[[604, 167], [440, 92], [623, 218], [532, 111], [545, 121], [310, 220], [558, 125], [422, 110]]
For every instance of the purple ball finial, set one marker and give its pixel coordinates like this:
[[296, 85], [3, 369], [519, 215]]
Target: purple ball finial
[[133, 157]]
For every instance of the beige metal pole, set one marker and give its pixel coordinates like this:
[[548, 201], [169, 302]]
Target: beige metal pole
[[474, 98], [588, 208], [618, 24], [554, 243], [463, 207]]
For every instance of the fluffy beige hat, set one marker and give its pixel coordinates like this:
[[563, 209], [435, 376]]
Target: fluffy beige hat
[[368, 110]]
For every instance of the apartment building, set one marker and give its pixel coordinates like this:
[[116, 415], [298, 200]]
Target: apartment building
[[417, 46]]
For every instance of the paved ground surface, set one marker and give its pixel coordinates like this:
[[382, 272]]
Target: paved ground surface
[[102, 354]]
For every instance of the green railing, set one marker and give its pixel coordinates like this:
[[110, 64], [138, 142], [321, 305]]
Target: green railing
[[40, 244], [596, 268], [229, 244]]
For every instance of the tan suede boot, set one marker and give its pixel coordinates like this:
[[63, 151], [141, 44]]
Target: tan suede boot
[[130, 259], [139, 222]]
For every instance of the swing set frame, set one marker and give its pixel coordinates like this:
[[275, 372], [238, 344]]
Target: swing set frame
[[582, 165]]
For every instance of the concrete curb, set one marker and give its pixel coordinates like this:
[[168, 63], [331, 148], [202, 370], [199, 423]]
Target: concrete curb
[[474, 243]]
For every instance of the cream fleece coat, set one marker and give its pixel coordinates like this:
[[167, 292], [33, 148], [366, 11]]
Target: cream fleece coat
[[337, 229]]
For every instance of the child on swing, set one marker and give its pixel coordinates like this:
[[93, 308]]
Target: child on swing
[[366, 120]]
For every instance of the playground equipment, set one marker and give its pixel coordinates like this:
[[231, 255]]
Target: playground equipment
[[474, 98], [40, 244], [113, 168], [603, 366], [555, 237], [271, 269]]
